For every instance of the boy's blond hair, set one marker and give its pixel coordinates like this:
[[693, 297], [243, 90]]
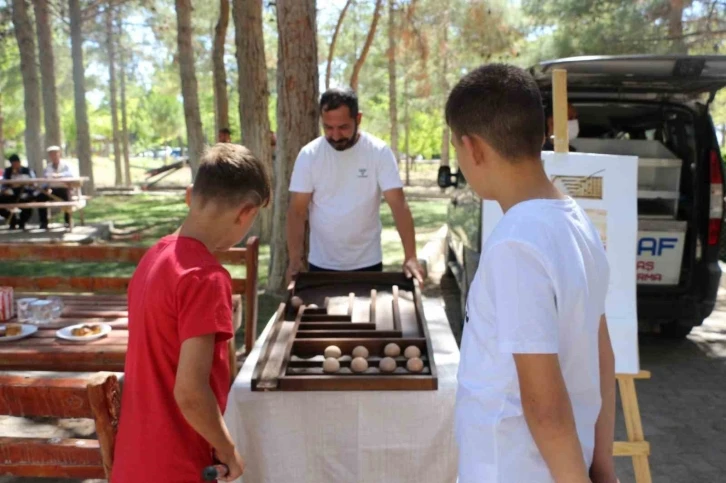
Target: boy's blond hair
[[230, 175]]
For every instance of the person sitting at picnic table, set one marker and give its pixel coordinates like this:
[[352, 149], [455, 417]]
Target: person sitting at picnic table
[[17, 193], [56, 168], [338, 180]]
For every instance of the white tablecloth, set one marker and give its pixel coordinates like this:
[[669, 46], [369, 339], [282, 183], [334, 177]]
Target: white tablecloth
[[350, 436]]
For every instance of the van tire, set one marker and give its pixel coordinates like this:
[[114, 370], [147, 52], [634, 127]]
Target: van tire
[[675, 330]]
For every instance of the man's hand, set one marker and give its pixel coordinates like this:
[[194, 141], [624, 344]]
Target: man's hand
[[235, 463], [412, 268], [293, 268]]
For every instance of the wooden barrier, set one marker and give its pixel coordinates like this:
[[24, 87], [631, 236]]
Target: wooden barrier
[[247, 256], [97, 398]]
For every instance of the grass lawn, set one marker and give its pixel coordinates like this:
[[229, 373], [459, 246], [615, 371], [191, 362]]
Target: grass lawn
[[153, 216]]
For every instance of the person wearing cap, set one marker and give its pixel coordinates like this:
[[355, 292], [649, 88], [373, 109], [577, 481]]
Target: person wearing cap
[[56, 168], [17, 194]]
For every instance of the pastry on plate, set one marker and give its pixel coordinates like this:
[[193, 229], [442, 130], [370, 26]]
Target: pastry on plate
[[86, 330]]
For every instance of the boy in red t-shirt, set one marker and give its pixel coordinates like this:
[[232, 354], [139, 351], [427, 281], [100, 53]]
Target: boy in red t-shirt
[[180, 319]]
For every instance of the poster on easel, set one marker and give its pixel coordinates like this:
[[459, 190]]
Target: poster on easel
[[605, 186]]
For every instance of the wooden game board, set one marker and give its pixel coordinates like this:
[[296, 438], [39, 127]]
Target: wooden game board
[[370, 309]]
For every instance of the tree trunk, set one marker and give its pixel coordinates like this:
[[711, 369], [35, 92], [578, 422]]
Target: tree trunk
[[445, 134], [124, 121], [220, 73], [675, 27], [2, 129], [366, 47], [47, 73], [406, 125], [254, 93], [195, 133], [111, 46], [31, 85], [297, 113], [83, 134], [392, 98], [331, 50]]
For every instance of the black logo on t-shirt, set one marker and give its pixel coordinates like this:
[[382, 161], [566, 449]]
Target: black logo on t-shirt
[[362, 173]]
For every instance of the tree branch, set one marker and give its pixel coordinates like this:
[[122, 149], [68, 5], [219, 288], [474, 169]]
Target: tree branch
[[331, 50], [366, 47]]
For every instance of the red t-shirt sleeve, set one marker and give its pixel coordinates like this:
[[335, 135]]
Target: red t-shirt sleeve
[[204, 304]]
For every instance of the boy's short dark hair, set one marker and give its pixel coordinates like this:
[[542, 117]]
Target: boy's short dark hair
[[501, 104], [225, 130], [230, 174], [14, 158], [336, 97]]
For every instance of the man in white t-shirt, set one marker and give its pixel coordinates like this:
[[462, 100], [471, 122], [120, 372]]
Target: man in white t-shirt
[[337, 184], [536, 394]]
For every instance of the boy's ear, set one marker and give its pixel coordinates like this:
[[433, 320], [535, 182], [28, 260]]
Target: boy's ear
[[188, 195], [246, 212]]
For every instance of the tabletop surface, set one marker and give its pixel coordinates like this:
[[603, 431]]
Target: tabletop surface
[[44, 351]]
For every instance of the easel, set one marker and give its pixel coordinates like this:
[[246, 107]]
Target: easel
[[636, 447]]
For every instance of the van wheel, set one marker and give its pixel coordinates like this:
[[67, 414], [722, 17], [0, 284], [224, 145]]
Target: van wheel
[[675, 330]]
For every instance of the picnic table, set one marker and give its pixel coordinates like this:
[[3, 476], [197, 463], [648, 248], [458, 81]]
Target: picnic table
[[43, 351]]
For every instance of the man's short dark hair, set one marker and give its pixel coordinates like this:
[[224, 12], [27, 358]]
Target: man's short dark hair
[[230, 174], [14, 158], [225, 130], [501, 104], [337, 97]]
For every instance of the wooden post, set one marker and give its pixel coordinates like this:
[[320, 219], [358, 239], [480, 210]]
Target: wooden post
[[251, 261], [636, 447], [104, 396], [559, 110]]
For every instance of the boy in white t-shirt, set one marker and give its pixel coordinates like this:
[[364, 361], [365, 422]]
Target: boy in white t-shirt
[[536, 395]]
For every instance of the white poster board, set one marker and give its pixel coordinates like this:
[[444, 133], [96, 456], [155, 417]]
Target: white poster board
[[606, 187]]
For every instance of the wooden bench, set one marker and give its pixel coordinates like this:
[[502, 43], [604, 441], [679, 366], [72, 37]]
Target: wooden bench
[[77, 201], [69, 207], [97, 397], [246, 287]]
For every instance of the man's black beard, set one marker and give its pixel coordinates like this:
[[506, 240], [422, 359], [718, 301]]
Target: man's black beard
[[345, 143]]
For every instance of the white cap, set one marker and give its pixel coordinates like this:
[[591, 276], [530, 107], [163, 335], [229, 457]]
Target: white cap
[[53, 148]]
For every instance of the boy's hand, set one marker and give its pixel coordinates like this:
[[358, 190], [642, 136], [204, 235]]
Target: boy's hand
[[235, 463]]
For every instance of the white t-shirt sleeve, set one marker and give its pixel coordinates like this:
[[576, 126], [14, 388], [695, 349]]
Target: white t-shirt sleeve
[[301, 180], [388, 175], [523, 296]]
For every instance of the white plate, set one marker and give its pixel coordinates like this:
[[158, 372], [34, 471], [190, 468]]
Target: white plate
[[27, 330], [65, 333]]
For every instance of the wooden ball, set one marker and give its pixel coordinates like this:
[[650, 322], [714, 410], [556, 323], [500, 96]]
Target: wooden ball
[[392, 350], [360, 351], [414, 364], [359, 364], [333, 351], [296, 302], [331, 365], [411, 352], [387, 364]]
